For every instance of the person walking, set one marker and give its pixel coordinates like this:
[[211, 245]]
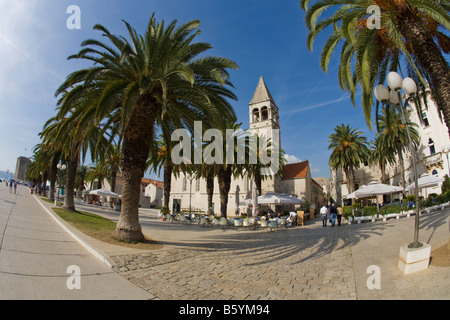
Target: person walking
[[333, 214], [339, 214], [10, 186], [15, 187], [324, 214]]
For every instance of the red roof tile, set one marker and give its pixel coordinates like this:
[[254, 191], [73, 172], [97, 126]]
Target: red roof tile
[[295, 170]]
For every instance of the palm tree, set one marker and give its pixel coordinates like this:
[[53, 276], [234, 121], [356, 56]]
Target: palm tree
[[349, 150], [392, 134], [112, 163], [261, 144], [382, 154], [40, 168], [97, 172], [138, 81], [80, 179], [410, 33], [74, 136]]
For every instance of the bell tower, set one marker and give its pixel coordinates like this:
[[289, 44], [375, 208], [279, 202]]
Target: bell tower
[[262, 109], [265, 121]]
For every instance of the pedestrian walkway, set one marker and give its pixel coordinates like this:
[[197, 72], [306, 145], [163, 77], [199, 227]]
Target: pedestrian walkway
[[302, 263], [40, 260]]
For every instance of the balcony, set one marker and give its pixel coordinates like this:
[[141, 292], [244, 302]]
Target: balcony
[[433, 161]]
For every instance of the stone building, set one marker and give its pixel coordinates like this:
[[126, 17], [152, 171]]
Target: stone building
[[21, 168]]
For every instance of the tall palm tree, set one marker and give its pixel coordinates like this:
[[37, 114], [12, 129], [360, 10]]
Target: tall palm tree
[[392, 134], [262, 144], [349, 149], [138, 81], [97, 172], [381, 154], [40, 169], [75, 135], [80, 179], [411, 33]]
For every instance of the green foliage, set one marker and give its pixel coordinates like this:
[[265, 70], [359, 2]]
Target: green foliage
[[446, 184]]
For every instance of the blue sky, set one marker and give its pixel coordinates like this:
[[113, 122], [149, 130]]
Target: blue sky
[[262, 36]]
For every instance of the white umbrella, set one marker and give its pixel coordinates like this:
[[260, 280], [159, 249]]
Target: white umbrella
[[352, 195], [289, 199], [374, 189], [104, 192], [425, 181], [268, 198]]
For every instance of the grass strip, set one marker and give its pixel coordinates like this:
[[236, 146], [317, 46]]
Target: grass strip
[[100, 228]]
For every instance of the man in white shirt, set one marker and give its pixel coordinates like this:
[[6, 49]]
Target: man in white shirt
[[293, 217], [324, 214]]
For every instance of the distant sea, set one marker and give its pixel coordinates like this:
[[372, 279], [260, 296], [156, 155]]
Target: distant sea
[[6, 175]]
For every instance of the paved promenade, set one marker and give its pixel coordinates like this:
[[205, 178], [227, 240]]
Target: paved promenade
[[38, 257], [302, 263]]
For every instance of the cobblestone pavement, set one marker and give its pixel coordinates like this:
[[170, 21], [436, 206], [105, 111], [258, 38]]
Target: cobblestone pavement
[[284, 264]]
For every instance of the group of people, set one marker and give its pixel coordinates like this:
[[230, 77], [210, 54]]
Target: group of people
[[333, 211], [11, 184]]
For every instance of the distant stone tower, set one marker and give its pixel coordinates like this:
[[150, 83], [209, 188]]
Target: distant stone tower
[[21, 167], [264, 120]]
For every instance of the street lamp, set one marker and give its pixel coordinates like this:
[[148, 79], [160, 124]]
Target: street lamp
[[61, 167], [394, 97]]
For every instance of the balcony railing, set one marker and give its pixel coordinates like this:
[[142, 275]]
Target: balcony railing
[[433, 160]]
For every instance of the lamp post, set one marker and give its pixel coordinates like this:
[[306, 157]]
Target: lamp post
[[394, 97], [60, 167]]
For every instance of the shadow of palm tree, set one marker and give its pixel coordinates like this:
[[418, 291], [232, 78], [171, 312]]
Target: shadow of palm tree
[[292, 246]]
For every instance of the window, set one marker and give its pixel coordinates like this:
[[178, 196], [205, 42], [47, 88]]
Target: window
[[426, 123], [184, 184], [255, 115], [431, 146], [197, 187], [264, 113]]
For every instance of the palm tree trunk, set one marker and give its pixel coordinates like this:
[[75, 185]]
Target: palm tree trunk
[[402, 166], [53, 175], [224, 178], [113, 180], [430, 58], [210, 191], [72, 165], [383, 171], [168, 166], [258, 180], [136, 146]]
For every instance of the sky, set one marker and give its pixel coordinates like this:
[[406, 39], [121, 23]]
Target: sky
[[263, 37]]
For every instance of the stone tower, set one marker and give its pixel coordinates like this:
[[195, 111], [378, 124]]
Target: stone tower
[[265, 121]]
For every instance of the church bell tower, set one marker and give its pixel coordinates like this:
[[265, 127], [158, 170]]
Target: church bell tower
[[265, 121]]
